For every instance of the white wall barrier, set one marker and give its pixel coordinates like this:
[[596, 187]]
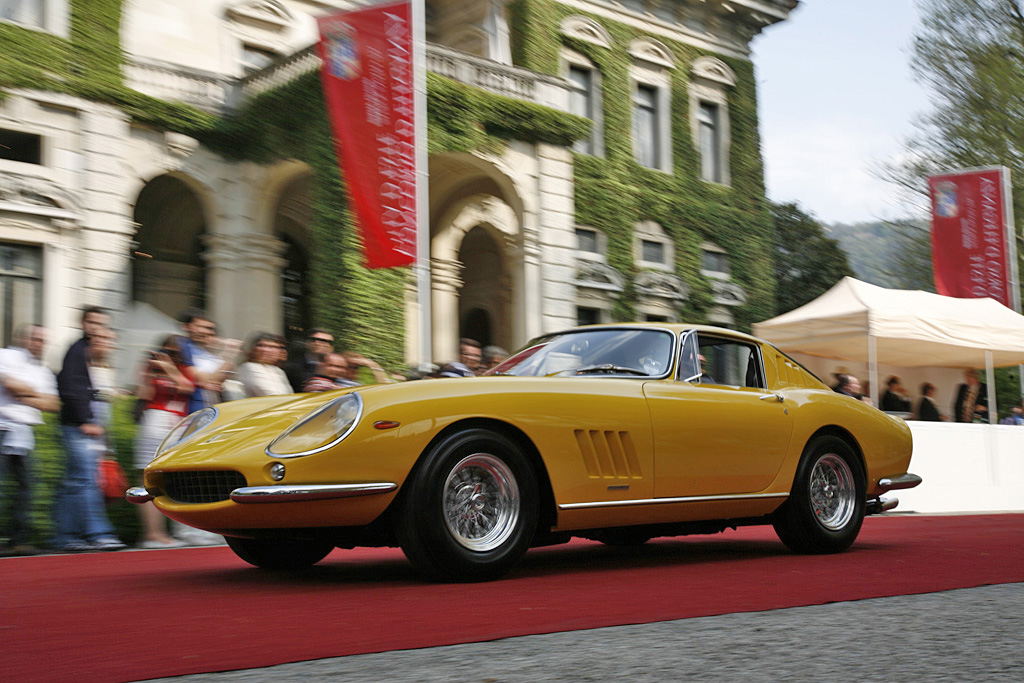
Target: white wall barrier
[[966, 468]]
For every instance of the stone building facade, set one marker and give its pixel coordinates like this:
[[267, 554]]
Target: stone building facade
[[100, 207]]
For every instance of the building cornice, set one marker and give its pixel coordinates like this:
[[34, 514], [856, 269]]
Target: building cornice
[[760, 13]]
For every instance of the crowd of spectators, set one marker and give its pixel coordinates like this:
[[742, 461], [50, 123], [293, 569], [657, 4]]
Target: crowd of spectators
[[182, 373], [971, 403]]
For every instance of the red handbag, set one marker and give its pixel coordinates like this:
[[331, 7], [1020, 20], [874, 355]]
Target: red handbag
[[111, 479]]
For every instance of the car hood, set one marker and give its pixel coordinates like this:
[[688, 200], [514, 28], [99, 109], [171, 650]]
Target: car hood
[[245, 425]]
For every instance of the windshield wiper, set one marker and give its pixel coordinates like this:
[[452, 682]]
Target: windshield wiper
[[610, 369]]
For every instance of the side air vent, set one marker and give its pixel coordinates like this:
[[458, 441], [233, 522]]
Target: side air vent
[[608, 454]]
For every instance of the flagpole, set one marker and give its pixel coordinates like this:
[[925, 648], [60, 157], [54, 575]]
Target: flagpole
[[1011, 250], [423, 294]]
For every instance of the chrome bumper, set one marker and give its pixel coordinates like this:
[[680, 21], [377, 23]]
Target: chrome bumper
[[284, 494], [137, 495], [903, 481], [291, 494]]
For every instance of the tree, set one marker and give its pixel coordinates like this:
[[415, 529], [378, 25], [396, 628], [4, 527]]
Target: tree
[[970, 56], [910, 255], [892, 254], [807, 262]]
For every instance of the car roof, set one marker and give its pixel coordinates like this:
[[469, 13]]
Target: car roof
[[675, 328]]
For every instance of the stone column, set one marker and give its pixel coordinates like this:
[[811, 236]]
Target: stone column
[[107, 228], [445, 281], [243, 282], [555, 241]]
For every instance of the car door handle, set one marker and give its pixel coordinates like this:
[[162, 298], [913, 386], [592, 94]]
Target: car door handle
[[767, 397]]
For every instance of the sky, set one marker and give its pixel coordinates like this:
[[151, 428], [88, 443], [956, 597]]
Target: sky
[[837, 99]]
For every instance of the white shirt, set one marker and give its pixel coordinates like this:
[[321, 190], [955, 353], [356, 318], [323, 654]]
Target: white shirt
[[260, 379], [19, 364], [204, 361], [16, 418]]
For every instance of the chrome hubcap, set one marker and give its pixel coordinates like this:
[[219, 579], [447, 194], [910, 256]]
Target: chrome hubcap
[[833, 492], [481, 502]]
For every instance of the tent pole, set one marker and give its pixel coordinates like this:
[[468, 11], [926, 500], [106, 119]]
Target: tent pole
[[1011, 250], [873, 369], [990, 377]]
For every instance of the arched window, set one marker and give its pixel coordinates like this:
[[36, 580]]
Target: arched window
[[585, 99], [711, 81], [650, 77]]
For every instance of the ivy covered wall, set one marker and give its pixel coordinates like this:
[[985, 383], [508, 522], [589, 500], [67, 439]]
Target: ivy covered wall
[[363, 308], [614, 192], [88, 66]]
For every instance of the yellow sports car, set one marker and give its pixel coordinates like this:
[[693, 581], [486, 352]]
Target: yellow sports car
[[618, 433]]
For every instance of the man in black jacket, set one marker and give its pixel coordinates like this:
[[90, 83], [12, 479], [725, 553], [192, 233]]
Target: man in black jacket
[[971, 399], [82, 523], [304, 366]]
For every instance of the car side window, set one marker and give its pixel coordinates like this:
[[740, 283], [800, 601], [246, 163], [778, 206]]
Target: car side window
[[689, 366], [729, 362]]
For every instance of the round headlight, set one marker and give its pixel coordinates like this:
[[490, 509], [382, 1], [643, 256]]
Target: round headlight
[[321, 429], [188, 427]]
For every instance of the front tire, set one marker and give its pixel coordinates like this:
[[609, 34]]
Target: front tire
[[287, 555], [825, 509], [470, 510]]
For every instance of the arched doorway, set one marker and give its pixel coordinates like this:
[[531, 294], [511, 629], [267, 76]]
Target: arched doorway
[[484, 295], [478, 255], [291, 220], [167, 268]]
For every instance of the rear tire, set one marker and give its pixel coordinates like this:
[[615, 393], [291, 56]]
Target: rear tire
[[470, 510], [825, 509], [279, 554]]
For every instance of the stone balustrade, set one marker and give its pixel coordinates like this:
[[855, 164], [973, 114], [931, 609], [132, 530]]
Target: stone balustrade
[[279, 73], [216, 93], [202, 89], [500, 79]]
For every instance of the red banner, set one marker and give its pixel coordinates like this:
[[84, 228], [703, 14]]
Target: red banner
[[971, 252], [367, 80]]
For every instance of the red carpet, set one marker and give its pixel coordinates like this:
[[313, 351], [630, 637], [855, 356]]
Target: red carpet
[[135, 615]]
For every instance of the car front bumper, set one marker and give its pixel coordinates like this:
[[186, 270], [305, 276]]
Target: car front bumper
[[285, 493]]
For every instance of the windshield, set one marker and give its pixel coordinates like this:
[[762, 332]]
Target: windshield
[[616, 351]]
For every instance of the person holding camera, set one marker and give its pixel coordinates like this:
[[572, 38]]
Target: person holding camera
[[164, 391]]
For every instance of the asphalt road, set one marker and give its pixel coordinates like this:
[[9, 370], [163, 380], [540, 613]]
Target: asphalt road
[[973, 634]]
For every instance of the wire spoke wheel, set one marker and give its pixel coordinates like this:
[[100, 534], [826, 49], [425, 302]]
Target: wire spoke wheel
[[825, 508], [832, 492], [470, 510], [481, 502]]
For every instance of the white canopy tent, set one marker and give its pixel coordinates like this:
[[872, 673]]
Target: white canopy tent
[[857, 321]]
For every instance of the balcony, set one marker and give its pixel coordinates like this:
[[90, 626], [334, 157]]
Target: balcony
[[281, 72], [499, 79], [219, 94], [202, 89]]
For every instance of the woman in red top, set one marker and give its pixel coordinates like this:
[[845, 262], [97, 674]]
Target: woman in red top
[[165, 390]]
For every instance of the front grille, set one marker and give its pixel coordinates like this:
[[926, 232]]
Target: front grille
[[204, 486]]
